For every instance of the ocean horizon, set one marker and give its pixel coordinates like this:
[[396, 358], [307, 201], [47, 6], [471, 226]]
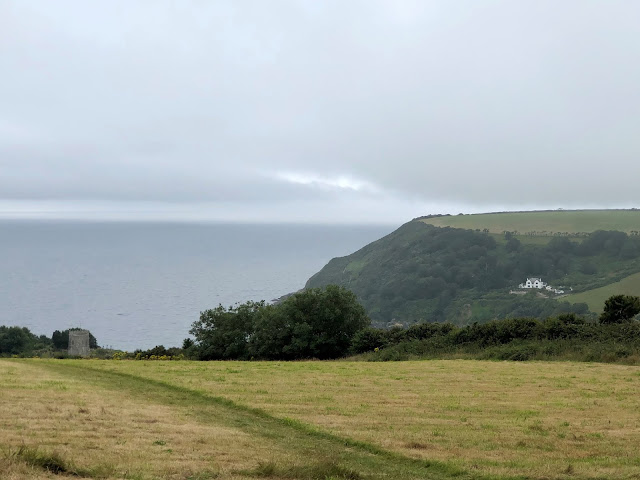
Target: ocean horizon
[[142, 284]]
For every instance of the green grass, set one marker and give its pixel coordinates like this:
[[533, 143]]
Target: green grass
[[595, 298], [321, 471], [341, 420], [570, 221]]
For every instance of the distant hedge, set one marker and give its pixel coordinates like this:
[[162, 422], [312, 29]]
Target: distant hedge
[[566, 336]]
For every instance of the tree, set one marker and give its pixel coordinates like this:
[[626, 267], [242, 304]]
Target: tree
[[273, 334], [315, 323], [20, 341], [620, 308], [223, 333], [512, 245], [60, 341], [14, 340]]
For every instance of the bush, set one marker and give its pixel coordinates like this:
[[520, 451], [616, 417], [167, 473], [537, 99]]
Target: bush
[[566, 336], [514, 352], [368, 339]]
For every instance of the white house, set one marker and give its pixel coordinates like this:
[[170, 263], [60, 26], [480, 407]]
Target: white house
[[533, 282]]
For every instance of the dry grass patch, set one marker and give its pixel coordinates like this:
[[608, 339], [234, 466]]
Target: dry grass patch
[[548, 420], [99, 434], [14, 468]]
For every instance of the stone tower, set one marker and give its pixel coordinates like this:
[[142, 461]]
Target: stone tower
[[79, 343]]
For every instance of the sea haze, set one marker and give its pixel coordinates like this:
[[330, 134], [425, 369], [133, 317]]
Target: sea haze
[[137, 285]]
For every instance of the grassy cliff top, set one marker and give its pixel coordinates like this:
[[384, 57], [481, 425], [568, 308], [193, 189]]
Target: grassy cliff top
[[544, 222]]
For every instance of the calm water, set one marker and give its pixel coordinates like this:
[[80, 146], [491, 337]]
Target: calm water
[[137, 285]]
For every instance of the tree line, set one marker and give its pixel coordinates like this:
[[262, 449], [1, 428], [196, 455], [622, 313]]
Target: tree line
[[615, 333], [22, 342], [329, 322]]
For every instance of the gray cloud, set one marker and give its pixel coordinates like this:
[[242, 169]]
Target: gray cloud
[[286, 106]]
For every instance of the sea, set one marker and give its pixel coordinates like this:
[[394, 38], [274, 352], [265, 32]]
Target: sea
[[138, 285]]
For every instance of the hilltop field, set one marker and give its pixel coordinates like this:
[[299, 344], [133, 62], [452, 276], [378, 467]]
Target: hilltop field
[[544, 223], [318, 420], [538, 228]]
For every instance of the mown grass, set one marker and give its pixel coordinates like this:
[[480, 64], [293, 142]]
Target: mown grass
[[321, 471], [169, 444], [595, 298], [55, 424], [428, 419], [548, 420], [570, 221]]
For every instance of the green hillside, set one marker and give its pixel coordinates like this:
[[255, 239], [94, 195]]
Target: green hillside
[[544, 223], [595, 298], [423, 272]]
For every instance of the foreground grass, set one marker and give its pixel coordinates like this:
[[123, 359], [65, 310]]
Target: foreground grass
[[323, 419], [570, 221], [77, 419], [52, 423], [595, 298], [548, 420]]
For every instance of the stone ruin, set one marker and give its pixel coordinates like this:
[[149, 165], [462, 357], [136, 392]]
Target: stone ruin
[[78, 343]]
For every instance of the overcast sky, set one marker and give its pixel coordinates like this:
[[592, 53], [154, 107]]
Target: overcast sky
[[334, 111]]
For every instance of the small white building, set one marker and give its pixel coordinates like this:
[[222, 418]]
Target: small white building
[[533, 282], [555, 290]]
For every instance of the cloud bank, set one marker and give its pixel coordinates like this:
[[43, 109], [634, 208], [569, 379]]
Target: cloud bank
[[304, 111]]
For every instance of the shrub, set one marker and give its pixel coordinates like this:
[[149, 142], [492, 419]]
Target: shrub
[[368, 339]]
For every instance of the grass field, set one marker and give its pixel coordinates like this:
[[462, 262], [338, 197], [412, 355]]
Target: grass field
[[570, 221], [475, 419], [595, 298]]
